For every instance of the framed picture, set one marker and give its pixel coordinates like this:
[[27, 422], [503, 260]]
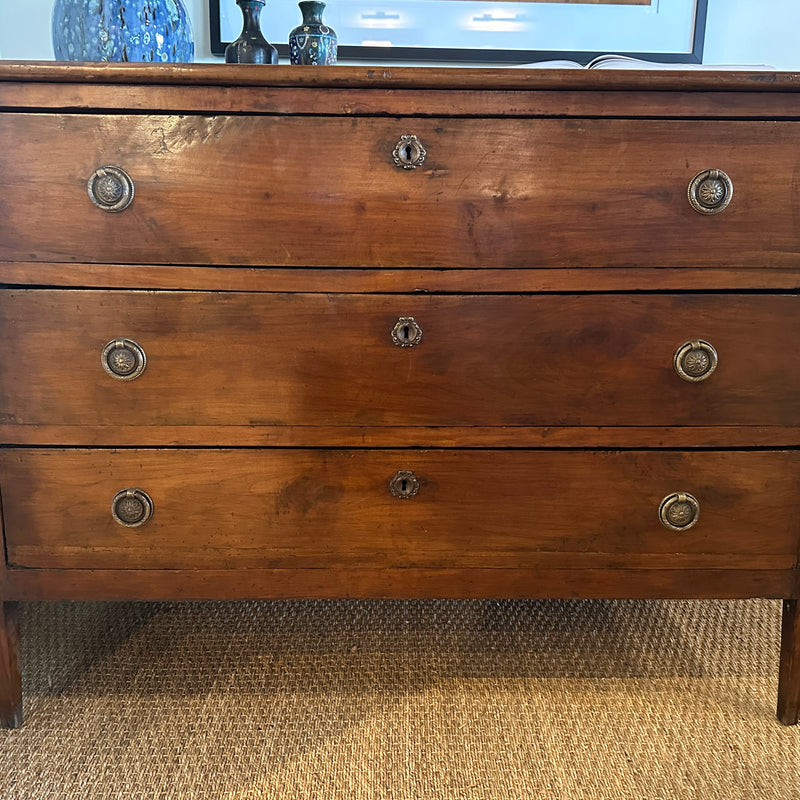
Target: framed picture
[[487, 31]]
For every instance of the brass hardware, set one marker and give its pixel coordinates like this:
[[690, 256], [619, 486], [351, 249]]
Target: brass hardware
[[123, 359], [409, 152], [404, 484], [131, 508], [679, 511], [406, 332], [710, 191], [695, 361], [110, 188]]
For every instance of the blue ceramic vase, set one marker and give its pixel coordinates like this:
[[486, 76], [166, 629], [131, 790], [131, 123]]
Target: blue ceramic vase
[[122, 30], [312, 42]]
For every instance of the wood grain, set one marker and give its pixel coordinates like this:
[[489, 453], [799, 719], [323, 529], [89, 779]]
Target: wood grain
[[242, 584], [599, 100], [393, 281], [333, 509], [470, 205], [789, 680], [392, 78], [689, 437], [10, 676], [329, 360], [546, 247]]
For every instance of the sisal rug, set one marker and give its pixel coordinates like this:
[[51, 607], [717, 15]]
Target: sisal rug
[[401, 700]]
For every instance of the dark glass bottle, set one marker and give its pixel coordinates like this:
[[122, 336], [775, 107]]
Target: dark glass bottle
[[251, 47]]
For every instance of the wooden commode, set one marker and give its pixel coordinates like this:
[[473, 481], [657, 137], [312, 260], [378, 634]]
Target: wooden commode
[[275, 332]]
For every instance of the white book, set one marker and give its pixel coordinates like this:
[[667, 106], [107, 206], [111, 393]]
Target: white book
[[612, 61]]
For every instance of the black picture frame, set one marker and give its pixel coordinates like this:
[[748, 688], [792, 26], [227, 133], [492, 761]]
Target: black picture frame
[[486, 57]]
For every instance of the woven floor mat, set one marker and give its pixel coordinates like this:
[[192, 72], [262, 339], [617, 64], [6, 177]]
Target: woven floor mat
[[401, 700]]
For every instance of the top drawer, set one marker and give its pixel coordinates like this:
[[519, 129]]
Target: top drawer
[[325, 191]]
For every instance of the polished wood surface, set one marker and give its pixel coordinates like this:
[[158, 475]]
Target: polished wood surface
[[10, 676], [519, 99], [369, 436], [185, 76], [392, 281], [501, 360], [475, 508], [471, 204], [789, 680], [546, 247], [256, 583]]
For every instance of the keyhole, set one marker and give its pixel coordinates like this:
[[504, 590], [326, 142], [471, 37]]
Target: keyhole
[[404, 485], [409, 152], [406, 332]]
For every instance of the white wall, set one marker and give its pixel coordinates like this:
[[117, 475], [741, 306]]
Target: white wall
[[738, 31], [751, 32]]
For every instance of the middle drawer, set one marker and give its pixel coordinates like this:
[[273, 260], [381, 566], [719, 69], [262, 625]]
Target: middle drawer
[[248, 359]]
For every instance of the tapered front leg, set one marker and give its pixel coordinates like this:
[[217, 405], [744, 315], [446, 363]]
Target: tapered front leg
[[10, 678], [789, 680]]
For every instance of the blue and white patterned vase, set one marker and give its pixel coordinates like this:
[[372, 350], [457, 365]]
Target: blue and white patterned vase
[[312, 42], [122, 30]]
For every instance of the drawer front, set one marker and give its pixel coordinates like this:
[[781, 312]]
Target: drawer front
[[328, 508], [239, 359], [325, 191]]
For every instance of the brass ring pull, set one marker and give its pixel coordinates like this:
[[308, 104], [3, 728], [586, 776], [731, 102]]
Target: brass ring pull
[[710, 191], [695, 360], [110, 188], [123, 359], [406, 332], [404, 484], [131, 508], [409, 152], [679, 511]]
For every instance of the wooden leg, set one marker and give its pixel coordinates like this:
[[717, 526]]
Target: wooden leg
[[789, 680], [10, 678]]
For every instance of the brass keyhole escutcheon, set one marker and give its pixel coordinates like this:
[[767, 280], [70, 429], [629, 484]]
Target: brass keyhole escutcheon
[[409, 152], [404, 484], [406, 332]]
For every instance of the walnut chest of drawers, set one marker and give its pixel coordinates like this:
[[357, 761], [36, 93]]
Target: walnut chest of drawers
[[348, 332]]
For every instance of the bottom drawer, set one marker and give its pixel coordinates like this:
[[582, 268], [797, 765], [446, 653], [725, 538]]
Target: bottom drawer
[[399, 508]]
